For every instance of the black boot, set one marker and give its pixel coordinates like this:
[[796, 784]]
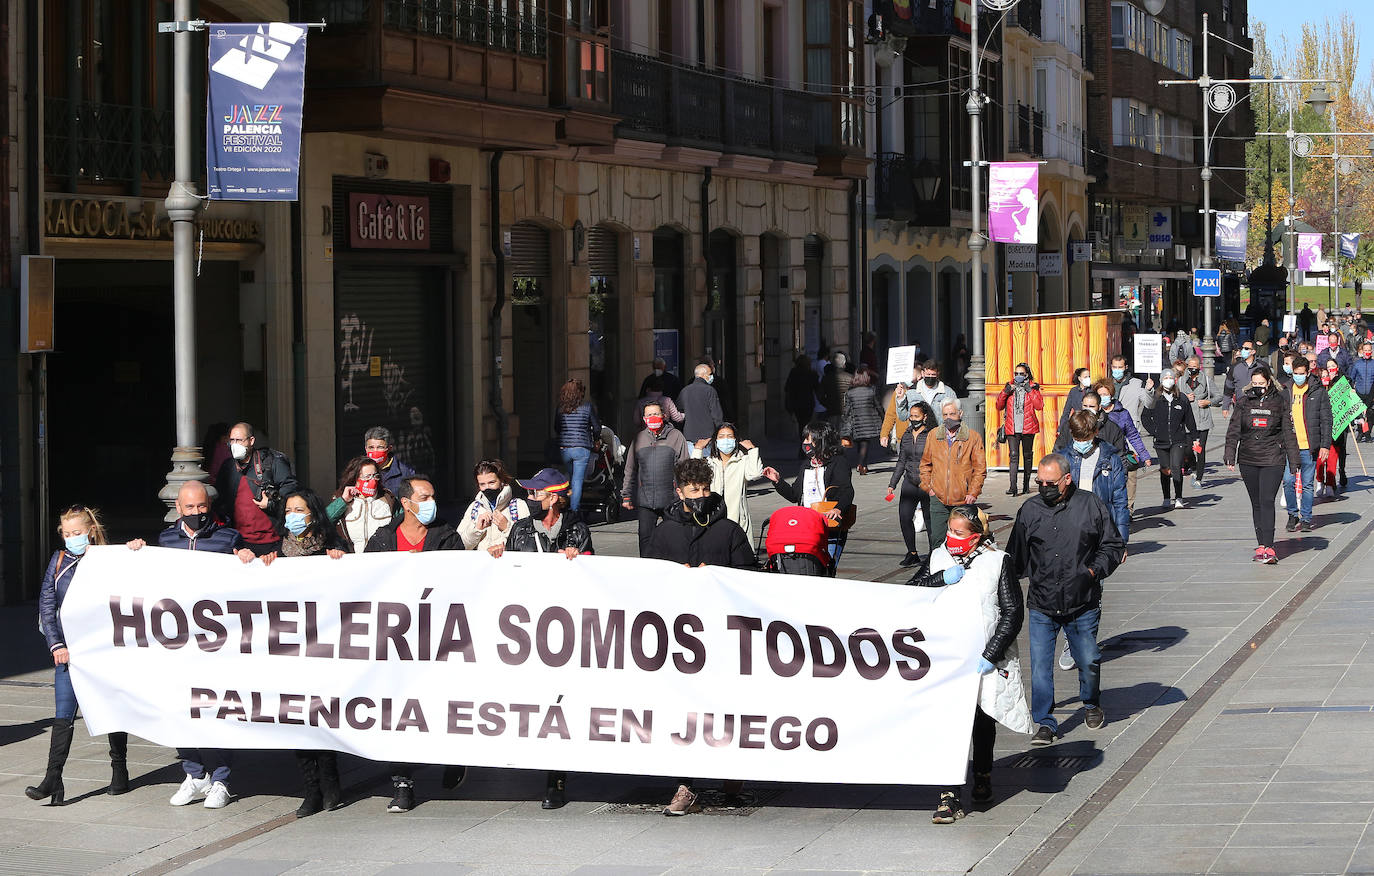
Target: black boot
[[1025, 484], [556, 792], [58, 746], [312, 802], [1011, 490], [119, 764], [330, 789]]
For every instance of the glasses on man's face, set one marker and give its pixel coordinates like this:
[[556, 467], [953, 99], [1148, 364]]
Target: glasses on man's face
[[238, 440], [1053, 483]]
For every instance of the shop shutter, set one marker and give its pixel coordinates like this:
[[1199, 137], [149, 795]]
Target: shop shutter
[[603, 252], [814, 248], [529, 251], [390, 364]]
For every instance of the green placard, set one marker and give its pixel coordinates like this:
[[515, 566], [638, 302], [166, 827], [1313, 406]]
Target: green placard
[[1346, 406]]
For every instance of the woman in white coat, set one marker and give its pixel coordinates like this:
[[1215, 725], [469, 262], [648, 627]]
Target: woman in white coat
[[970, 558], [734, 464], [488, 521]]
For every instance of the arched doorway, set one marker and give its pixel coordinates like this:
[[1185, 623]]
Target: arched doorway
[[670, 302], [779, 342], [532, 337], [722, 323], [953, 319], [1078, 274], [920, 309], [603, 322], [1051, 284], [815, 299]]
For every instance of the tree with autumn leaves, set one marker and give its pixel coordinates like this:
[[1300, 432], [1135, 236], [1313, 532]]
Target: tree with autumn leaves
[[1325, 50]]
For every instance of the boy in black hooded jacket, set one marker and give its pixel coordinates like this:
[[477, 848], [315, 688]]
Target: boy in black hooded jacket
[[695, 530]]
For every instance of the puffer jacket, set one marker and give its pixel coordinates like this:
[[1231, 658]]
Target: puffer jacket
[[1122, 418], [1170, 421], [359, 519], [1032, 403], [215, 538], [1361, 375], [1001, 694], [525, 537], [649, 467], [949, 473], [863, 419], [1109, 483], [1067, 550], [1260, 432], [712, 538], [55, 582], [909, 453], [475, 538]]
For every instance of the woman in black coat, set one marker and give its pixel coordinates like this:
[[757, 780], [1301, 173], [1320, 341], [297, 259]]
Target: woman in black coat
[[1171, 423], [908, 473], [799, 393], [1260, 439], [309, 533], [825, 477]]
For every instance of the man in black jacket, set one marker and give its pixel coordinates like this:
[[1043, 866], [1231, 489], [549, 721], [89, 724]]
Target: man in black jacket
[[418, 529], [252, 483], [695, 531], [1064, 540], [700, 402], [554, 528]]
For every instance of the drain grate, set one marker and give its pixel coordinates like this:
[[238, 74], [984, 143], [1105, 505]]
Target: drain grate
[[650, 801], [28, 860], [1053, 762]]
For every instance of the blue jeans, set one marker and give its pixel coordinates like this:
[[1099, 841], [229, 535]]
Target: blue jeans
[[1081, 633], [579, 458], [66, 696], [1290, 495], [198, 761]]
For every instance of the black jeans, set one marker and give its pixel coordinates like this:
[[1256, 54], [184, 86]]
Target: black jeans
[[648, 519], [1262, 482], [1171, 468], [1022, 450], [1200, 468], [984, 738], [911, 498], [1342, 448]]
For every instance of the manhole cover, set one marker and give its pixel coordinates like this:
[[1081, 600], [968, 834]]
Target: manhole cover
[[1053, 762], [651, 801]]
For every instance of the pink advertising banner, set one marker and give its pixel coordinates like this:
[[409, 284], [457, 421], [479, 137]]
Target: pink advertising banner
[[1013, 201], [1309, 251]]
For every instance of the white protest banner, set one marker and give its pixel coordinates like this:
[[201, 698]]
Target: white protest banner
[[1149, 354], [901, 361], [1290, 323], [597, 664]]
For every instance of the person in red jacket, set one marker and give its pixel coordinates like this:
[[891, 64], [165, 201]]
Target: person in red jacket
[[1020, 403]]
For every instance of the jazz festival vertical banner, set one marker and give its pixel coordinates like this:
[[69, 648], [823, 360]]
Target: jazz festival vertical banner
[[1232, 235], [256, 89], [1013, 201]]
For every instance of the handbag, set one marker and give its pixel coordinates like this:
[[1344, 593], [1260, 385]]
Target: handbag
[[1001, 434]]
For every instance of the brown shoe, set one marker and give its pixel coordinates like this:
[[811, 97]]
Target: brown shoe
[[683, 802]]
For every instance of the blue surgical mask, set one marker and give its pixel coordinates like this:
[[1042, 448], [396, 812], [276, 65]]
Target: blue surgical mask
[[1118, 373], [1246, 354], [1299, 379], [1083, 446], [77, 544], [725, 445], [425, 511], [296, 522], [1020, 379], [710, 378], [1287, 369]]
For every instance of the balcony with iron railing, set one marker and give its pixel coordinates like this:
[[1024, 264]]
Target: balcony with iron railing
[[1027, 126], [1027, 16], [905, 190], [504, 25], [684, 106]]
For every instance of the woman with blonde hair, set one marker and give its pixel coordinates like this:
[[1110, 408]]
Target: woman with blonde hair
[[79, 528]]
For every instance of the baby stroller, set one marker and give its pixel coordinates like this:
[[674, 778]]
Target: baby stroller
[[794, 541], [601, 494]]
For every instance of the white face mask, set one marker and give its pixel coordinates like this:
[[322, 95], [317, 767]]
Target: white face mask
[[238, 451], [1085, 382], [1167, 383]]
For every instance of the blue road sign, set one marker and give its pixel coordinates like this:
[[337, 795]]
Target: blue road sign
[[1207, 282]]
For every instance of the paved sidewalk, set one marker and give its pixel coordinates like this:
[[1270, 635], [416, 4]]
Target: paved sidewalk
[[1184, 602]]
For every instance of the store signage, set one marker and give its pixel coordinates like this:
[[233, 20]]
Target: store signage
[[134, 220], [1021, 256], [388, 221]]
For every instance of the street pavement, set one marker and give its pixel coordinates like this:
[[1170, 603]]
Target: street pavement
[[1238, 700]]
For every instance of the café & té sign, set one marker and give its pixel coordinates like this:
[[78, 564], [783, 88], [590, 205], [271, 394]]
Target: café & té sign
[[383, 221], [134, 219]]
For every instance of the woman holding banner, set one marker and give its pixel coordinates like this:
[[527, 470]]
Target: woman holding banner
[[79, 528], [1331, 478], [970, 558]]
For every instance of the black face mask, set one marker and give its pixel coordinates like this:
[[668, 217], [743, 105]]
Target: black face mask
[[699, 505], [811, 451], [491, 496], [196, 522], [1050, 493], [1254, 391], [932, 382]]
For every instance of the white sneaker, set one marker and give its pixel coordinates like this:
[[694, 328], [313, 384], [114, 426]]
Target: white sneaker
[[1066, 661], [1283, 501], [191, 789], [1178, 503], [218, 798]]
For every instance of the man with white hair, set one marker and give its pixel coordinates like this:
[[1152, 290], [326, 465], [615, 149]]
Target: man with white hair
[[700, 403], [953, 468]]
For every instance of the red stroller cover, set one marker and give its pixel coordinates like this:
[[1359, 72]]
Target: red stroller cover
[[798, 530]]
